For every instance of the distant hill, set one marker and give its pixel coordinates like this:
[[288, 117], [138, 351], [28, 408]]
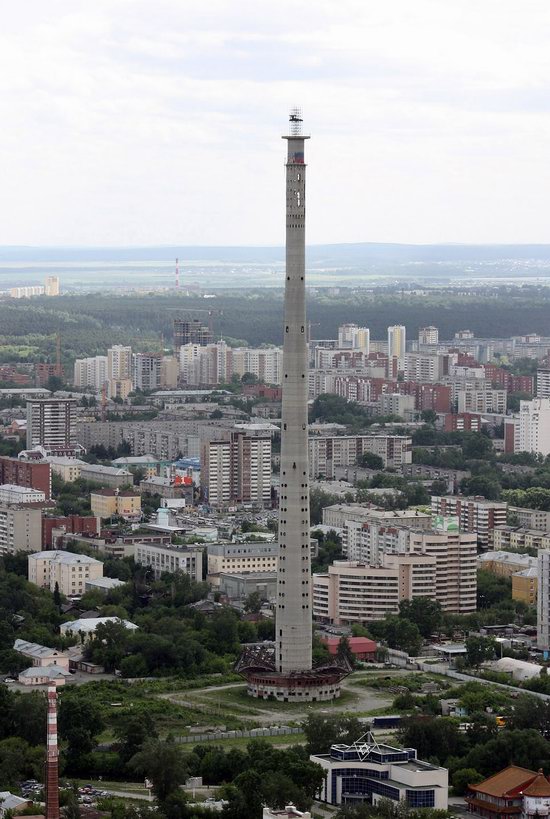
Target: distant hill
[[336, 254]]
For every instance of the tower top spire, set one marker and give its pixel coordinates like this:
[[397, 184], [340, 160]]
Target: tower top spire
[[296, 120]]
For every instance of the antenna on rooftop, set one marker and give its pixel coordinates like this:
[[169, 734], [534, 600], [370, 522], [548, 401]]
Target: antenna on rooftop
[[296, 121]]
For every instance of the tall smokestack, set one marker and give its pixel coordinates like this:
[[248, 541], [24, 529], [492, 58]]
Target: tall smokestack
[[52, 757]]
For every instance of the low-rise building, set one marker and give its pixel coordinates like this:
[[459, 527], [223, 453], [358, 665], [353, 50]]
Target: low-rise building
[[42, 656], [9, 493], [288, 811], [361, 647], [513, 791], [68, 469], [530, 518], [505, 564], [66, 570], [240, 586], [108, 502], [185, 559], [241, 558], [85, 628], [525, 586], [53, 528], [43, 675], [115, 477], [514, 537], [368, 772], [103, 584]]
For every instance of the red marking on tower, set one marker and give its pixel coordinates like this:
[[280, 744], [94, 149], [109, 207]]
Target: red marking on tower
[[52, 757]]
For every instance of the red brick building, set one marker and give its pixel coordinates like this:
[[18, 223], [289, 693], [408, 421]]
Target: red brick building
[[361, 647], [32, 474], [462, 422], [263, 391], [73, 524]]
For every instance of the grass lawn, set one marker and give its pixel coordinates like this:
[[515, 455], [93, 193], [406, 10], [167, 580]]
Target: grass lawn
[[237, 697]]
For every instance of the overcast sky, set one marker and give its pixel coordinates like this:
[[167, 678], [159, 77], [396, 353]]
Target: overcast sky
[[159, 121]]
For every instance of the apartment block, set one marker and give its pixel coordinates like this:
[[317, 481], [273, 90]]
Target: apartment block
[[191, 332], [353, 337], [146, 371], [109, 476], [456, 570], [172, 559], [68, 469], [9, 493], [425, 367], [534, 426], [530, 518], [543, 600], [235, 467], [352, 592], [54, 527], [328, 452], [68, 571], [474, 514], [51, 423], [397, 344], [505, 564], [428, 335], [108, 502], [242, 558], [90, 372], [476, 397], [31, 474], [119, 363], [20, 529]]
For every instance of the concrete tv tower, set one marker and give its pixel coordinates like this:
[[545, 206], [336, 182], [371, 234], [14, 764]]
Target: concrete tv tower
[[284, 670]]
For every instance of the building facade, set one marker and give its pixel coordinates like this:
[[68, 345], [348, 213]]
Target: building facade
[[31, 474], [235, 467], [172, 559], [20, 529], [534, 426], [51, 423], [68, 571], [475, 514]]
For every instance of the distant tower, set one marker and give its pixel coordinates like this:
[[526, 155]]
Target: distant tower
[[288, 673], [52, 757], [177, 274]]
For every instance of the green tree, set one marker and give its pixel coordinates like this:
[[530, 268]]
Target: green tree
[[57, 596], [80, 721], [253, 602], [479, 650], [323, 731], [132, 733], [344, 652], [369, 460], [162, 762], [464, 777], [424, 612]]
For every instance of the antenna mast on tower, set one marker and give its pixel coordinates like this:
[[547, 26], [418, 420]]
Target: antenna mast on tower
[[177, 274]]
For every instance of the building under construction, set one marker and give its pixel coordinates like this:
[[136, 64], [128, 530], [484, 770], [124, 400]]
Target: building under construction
[[191, 332]]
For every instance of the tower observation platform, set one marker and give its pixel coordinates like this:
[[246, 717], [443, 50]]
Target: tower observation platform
[[284, 669]]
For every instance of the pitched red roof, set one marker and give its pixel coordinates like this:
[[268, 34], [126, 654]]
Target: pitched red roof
[[358, 645], [512, 778], [540, 786]]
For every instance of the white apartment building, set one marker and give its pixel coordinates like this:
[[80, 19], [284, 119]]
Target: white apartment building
[[352, 592], [51, 423], [543, 382], [425, 367], [397, 343], [474, 514], [265, 363], [534, 426], [543, 599], [393, 403], [119, 363], [90, 372], [477, 395], [66, 570], [146, 370], [26, 291], [428, 335], [352, 337], [326, 453], [20, 529], [9, 493], [172, 559], [455, 555]]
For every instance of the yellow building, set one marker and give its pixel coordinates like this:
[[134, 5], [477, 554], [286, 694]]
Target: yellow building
[[505, 564], [108, 502], [524, 586]]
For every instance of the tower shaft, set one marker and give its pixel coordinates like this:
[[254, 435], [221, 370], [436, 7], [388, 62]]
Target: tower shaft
[[294, 616], [52, 757]]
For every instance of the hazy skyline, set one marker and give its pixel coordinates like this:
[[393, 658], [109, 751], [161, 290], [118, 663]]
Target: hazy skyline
[[138, 122]]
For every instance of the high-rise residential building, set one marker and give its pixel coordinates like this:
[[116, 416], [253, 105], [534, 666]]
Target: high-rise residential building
[[51, 424], [397, 344], [351, 592], [543, 382], [169, 372], [425, 367], [20, 529], [543, 600], [289, 673], [146, 371], [31, 474], [428, 335], [119, 388], [534, 426], [119, 363], [455, 555], [91, 372], [474, 514], [191, 332], [52, 286], [352, 337], [235, 467]]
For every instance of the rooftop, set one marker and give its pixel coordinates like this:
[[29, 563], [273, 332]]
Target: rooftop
[[35, 649], [89, 624], [64, 557], [505, 781]]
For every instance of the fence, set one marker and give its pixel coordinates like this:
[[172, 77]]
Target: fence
[[251, 733]]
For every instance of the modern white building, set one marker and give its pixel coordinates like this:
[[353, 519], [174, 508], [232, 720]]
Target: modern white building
[[543, 600], [66, 570], [146, 371], [369, 772], [119, 363], [543, 382], [534, 426], [425, 367], [352, 337]]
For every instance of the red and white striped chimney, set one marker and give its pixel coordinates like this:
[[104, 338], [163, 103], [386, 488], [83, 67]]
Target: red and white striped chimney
[[52, 757]]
